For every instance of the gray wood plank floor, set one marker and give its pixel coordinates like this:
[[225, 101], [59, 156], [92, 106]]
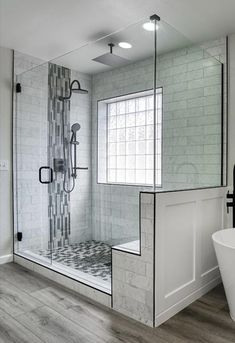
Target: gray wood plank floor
[[34, 309]]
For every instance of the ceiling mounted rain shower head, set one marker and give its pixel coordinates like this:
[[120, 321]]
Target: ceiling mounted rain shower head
[[111, 59]]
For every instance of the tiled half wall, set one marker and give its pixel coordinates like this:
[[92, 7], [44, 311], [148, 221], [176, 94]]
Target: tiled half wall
[[133, 274]]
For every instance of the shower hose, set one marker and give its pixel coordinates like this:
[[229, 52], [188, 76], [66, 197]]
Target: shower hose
[[67, 146]]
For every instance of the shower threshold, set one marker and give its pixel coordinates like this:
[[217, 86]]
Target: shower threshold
[[94, 271]]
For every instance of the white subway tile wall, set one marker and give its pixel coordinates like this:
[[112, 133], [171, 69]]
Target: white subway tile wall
[[191, 156], [115, 208], [192, 86]]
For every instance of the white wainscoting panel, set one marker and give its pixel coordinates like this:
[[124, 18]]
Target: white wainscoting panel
[[211, 219], [186, 266], [181, 216]]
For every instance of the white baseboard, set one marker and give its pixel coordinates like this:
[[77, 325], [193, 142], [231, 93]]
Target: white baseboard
[[170, 312], [6, 258]]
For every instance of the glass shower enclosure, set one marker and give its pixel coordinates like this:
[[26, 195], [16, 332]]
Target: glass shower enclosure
[[137, 110]]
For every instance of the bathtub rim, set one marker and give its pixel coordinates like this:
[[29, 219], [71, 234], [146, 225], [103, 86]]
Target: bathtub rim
[[219, 242]]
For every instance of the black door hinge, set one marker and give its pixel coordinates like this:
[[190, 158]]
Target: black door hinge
[[19, 236], [18, 88]]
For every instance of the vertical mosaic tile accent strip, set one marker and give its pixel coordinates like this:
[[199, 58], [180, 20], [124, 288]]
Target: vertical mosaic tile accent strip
[[59, 201]]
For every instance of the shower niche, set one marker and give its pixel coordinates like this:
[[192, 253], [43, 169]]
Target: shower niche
[[107, 126]]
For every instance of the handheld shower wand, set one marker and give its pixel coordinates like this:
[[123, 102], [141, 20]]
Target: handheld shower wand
[[75, 87], [72, 156], [73, 143]]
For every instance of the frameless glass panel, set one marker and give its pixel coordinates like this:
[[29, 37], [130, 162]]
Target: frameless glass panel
[[32, 172], [192, 118]]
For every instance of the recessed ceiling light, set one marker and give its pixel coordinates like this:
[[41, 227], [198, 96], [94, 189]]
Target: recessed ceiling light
[[150, 26], [125, 45]]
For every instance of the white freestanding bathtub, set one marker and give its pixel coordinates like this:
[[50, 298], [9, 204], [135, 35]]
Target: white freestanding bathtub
[[224, 243]]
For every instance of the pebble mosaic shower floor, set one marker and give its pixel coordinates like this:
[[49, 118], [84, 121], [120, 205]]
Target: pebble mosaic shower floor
[[91, 257]]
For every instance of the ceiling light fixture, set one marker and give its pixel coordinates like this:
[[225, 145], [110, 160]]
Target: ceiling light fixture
[[150, 26], [125, 45]]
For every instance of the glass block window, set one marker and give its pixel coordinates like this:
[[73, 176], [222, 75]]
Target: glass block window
[[130, 139]]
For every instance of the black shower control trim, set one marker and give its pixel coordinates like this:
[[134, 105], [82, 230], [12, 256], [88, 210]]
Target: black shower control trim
[[59, 165]]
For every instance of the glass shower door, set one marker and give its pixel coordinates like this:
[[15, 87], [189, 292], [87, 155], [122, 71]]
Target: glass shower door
[[32, 172]]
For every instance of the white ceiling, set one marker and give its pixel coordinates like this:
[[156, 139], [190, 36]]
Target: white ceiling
[[49, 28], [142, 47]]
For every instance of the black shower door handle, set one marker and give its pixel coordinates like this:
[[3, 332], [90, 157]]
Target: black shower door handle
[[40, 174]]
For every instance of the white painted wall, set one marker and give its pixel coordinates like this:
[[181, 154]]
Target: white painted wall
[[6, 220], [231, 108]]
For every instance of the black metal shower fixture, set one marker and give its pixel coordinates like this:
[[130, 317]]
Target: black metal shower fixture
[[75, 87], [110, 59], [69, 148], [154, 17]]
